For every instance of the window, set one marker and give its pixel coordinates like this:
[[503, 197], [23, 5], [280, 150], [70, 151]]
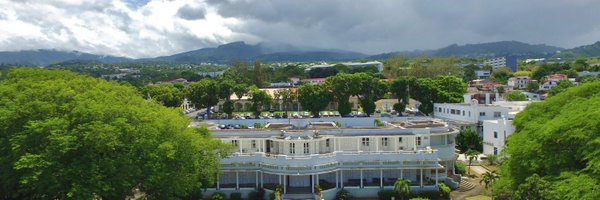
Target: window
[[495, 134], [292, 148], [497, 114], [365, 141], [463, 113], [400, 140], [481, 113], [440, 109], [254, 144], [495, 150], [452, 111], [418, 141], [306, 149], [469, 113], [327, 143], [384, 142], [234, 143]]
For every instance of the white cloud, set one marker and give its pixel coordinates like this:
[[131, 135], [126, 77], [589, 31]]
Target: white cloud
[[112, 27]]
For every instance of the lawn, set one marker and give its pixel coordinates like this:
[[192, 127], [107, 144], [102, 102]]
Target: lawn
[[479, 197]]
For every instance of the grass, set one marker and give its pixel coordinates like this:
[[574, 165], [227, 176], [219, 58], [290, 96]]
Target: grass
[[479, 197]]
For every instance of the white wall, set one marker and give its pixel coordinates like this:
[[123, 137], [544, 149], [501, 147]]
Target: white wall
[[503, 128]]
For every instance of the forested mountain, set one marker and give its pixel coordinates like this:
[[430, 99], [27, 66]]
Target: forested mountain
[[591, 50], [45, 57]]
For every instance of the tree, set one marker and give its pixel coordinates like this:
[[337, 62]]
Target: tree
[[502, 74], [469, 72], [516, 96], [469, 139], [400, 89], [286, 96], [471, 154], [489, 178], [259, 74], [166, 94], [240, 90], [259, 99], [402, 186], [204, 94], [370, 90], [534, 188], [558, 140], [342, 87], [561, 86], [500, 90], [226, 89], [70, 136], [396, 66], [533, 86], [314, 98]]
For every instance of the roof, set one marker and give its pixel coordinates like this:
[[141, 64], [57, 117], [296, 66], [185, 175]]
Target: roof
[[557, 76]]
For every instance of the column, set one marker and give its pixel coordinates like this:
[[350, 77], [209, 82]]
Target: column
[[280, 179], [256, 179], [262, 179], [240, 144], [237, 180], [421, 177], [218, 182], [401, 173], [436, 176], [377, 144], [342, 178], [337, 179], [312, 184], [317, 181], [284, 184], [446, 168], [361, 178], [317, 147], [446, 139], [381, 178]]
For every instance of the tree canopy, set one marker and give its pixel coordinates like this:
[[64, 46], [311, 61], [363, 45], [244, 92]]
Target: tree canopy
[[314, 98], [166, 94], [70, 136], [558, 139], [516, 96]]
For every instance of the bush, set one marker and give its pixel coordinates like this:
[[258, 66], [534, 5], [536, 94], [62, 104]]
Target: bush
[[444, 190], [427, 194], [460, 168], [235, 196], [343, 195], [379, 123], [387, 194], [258, 125], [217, 196], [272, 196]]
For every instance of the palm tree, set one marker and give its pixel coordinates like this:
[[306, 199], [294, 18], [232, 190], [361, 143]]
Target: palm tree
[[403, 187], [489, 178], [471, 154]]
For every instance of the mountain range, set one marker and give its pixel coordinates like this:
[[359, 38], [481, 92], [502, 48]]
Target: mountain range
[[271, 52]]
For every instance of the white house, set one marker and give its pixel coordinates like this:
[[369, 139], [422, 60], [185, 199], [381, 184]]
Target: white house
[[495, 133], [552, 80], [356, 156], [482, 74], [519, 82]]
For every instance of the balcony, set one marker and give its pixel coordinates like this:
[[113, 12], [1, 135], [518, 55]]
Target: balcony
[[316, 163]]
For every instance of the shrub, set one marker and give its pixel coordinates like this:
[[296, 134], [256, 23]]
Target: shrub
[[492, 159], [343, 195], [379, 123], [427, 194], [460, 168], [387, 194], [272, 196], [253, 195], [258, 125], [217, 196], [235, 196], [444, 190]]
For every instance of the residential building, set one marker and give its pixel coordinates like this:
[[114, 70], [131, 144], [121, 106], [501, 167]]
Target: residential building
[[356, 156], [377, 64], [505, 61], [495, 133], [483, 74], [519, 82], [552, 80], [533, 96]]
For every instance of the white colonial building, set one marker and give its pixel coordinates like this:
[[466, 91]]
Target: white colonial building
[[351, 154]]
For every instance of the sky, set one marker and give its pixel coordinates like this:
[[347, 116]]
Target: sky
[[150, 28]]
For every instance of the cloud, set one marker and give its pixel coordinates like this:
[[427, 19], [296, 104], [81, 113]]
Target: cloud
[[190, 12], [148, 28]]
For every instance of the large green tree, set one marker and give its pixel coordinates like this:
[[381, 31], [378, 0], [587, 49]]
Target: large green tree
[[166, 94], [204, 94], [370, 90], [259, 99], [469, 139], [561, 86], [342, 87], [516, 96], [558, 139], [70, 136], [314, 98]]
